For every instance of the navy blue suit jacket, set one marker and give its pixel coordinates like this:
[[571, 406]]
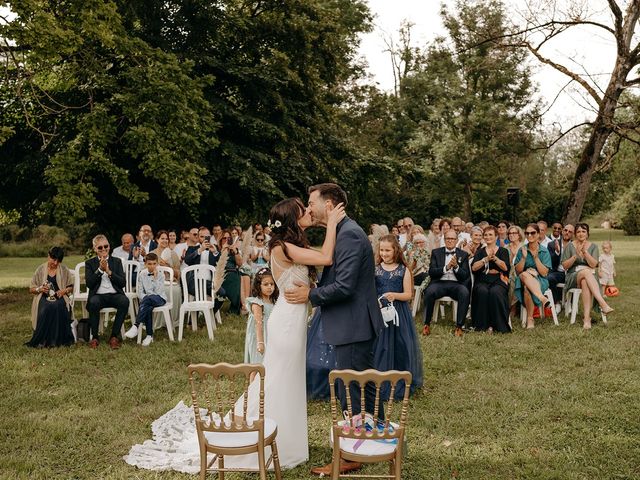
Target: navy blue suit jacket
[[347, 290], [93, 278], [436, 267]]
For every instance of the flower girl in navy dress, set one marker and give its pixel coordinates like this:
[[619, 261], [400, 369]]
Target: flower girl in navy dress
[[397, 346]]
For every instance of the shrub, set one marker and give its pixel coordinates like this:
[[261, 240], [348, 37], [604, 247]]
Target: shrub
[[630, 219]]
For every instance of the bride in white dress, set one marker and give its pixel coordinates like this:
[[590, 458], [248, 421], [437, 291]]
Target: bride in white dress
[[175, 444]]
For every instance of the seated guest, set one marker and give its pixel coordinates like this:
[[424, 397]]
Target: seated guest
[[106, 281], [151, 293], [459, 226], [143, 245], [449, 273], [532, 265], [259, 254], [231, 284], [433, 237], [556, 231], [124, 250], [216, 233], [445, 226], [490, 299], [543, 240], [203, 252], [580, 260], [51, 284], [172, 239], [557, 273], [516, 239], [475, 244], [418, 259], [169, 258], [503, 238], [189, 240]]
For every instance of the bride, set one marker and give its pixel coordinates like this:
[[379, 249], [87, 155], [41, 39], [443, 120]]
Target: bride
[[175, 443]]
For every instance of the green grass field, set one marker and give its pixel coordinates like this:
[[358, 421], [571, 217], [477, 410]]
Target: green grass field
[[552, 403]]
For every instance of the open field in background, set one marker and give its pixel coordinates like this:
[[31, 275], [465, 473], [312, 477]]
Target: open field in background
[[555, 402]]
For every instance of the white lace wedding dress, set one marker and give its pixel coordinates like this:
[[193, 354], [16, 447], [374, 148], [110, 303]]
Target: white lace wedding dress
[[175, 444]]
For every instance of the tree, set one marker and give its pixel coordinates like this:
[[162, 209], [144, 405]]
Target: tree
[[477, 127], [548, 21]]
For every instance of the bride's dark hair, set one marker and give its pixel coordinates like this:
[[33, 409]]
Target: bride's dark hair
[[286, 213], [283, 220]]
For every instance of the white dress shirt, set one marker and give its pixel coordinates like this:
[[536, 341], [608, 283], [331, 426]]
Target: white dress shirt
[[449, 273], [105, 283]]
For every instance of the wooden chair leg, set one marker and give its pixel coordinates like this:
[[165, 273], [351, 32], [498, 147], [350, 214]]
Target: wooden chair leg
[[221, 466], [276, 461], [261, 463], [203, 463], [335, 460]]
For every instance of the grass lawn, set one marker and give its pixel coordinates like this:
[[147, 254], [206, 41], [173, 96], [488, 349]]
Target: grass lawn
[[552, 403]]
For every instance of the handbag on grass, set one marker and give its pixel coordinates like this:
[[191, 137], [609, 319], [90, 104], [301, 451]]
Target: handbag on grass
[[389, 312]]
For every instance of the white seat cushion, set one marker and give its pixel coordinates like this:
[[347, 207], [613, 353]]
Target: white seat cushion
[[365, 447], [239, 439]]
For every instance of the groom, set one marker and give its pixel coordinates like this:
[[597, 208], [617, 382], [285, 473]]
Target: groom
[[346, 295]]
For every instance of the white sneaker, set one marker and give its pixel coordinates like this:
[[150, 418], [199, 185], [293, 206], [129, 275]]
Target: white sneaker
[[147, 341], [132, 332]]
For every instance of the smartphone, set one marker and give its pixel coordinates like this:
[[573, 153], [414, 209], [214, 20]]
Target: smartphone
[[207, 238]]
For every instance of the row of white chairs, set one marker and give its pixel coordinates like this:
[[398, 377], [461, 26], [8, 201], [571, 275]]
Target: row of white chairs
[[571, 305], [201, 301]]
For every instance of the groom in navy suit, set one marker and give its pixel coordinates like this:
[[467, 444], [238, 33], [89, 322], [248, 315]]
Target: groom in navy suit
[[346, 295]]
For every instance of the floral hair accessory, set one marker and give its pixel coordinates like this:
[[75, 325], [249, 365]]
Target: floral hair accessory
[[276, 224]]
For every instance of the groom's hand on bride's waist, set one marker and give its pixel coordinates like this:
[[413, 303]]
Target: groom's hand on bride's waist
[[297, 294]]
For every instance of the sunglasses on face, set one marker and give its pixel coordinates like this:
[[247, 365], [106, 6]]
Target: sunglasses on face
[[259, 239], [531, 233], [513, 233], [102, 247]]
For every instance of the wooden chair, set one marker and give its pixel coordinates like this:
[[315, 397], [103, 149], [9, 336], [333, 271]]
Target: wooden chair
[[203, 300], [223, 424], [369, 438], [165, 309]]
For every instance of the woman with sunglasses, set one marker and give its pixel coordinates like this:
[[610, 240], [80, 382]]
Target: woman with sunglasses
[[532, 265], [580, 260], [259, 255]]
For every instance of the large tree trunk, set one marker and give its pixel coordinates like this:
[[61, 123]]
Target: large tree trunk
[[602, 129]]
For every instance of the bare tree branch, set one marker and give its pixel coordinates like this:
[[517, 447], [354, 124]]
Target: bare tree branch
[[566, 71], [561, 136]]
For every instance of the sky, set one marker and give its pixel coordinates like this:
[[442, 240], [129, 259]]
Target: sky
[[585, 47], [582, 47]]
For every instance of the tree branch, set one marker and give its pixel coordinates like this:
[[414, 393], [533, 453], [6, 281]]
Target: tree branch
[[562, 135], [566, 71]]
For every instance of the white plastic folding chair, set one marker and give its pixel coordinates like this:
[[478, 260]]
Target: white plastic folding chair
[[130, 267], [165, 309], [574, 300], [203, 300], [523, 310], [79, 294], [438, 307], [417, 298]]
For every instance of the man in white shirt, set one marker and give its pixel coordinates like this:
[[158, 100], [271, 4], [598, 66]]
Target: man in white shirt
[[105, 280], [123, 251]]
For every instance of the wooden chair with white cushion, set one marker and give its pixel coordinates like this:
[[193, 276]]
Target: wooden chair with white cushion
[[214, 391], [369, 437], [165, 309], [203, 300]]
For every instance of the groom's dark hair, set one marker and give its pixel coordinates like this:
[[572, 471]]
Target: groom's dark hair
[[330, 191]]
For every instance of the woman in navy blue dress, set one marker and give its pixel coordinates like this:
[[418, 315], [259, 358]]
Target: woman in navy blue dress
[[397, 346]]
